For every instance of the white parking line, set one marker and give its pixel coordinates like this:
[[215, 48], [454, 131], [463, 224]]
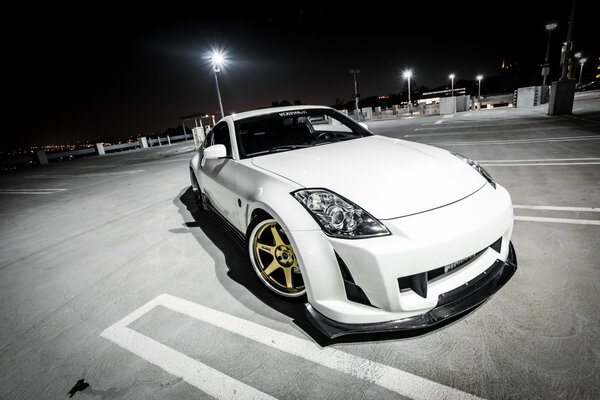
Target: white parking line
[[195, 373], [439, 121], [30, 191], [88, 175], [556, 208], [520, 141], [403, 383], [99, 166], [559, 220], [541, 159], [457, 125], [540, 164]]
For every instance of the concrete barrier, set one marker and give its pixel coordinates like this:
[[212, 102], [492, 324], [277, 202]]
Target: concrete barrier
[[41, 156], [447, 105], [531, 96], [562, 97], [367, 113]]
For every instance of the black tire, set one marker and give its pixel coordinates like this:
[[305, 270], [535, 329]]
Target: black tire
[[199, 197]]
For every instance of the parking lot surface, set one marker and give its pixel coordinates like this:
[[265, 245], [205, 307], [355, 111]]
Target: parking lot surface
[[109, 273]]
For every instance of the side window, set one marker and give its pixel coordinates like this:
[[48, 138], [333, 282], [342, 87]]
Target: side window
[[220, 135]]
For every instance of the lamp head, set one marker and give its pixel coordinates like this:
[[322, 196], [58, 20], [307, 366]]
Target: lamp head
[[218, 59]]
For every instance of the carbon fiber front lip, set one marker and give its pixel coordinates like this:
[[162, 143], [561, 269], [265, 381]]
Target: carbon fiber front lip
[[450, 304]]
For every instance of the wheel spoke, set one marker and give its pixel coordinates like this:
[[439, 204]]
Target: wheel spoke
[[266, 248], [276, 235], [272, 267], [288, 278]]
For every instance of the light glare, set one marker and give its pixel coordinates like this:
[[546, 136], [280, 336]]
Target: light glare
[[218, 59]]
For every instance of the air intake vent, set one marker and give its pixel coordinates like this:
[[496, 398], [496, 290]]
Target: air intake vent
[[417, 283], [353, 291]]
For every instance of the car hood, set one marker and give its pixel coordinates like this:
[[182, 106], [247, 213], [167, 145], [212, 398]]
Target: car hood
[[389, 178]]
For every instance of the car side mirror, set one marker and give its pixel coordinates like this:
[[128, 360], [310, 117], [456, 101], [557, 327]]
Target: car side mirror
[[215, 151], [363, 125]]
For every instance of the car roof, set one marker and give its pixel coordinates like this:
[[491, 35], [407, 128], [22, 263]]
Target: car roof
[[272, 110]]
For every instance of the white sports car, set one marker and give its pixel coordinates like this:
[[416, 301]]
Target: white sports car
[[379, 234]]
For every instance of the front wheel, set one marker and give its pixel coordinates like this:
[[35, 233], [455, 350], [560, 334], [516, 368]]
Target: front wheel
[[198, 196], [274, 259]]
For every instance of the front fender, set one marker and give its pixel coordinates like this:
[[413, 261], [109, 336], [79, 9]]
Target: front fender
[[195, 167], [260, 189]]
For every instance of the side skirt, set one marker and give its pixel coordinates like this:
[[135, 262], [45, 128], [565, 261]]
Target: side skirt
[[237, 235]]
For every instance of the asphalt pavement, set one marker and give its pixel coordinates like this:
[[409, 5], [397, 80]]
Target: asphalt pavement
[[109, 273]]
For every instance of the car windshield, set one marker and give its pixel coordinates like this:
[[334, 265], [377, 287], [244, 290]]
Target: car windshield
[[290, 130]]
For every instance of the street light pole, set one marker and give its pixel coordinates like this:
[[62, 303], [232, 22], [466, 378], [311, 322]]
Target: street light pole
[[546, 68], [452, 93], [218, 60], [479, 78], [407, 74], [566, 55], [581, 62], [354, 72]]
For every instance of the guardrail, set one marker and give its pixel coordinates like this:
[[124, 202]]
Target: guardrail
[[42, 157]]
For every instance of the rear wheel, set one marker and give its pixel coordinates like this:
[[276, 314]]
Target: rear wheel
[[274, 259]]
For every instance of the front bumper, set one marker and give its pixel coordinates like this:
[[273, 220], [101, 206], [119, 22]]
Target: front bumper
[[450, 304]]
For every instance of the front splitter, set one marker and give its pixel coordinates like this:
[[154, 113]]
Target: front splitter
[[450, 304]]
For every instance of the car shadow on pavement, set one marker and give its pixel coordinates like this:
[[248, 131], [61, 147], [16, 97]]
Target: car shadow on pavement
[[216, 239]]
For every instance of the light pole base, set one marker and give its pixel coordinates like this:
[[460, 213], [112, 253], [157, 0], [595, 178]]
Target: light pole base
[[562, 95]]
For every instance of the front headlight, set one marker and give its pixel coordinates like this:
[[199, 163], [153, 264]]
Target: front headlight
[[477, 168], [338, 216]]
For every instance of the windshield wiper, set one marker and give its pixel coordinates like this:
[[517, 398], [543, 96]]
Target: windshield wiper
[[287, 147], [279, 148]]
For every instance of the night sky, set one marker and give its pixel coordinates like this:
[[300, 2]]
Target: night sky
[[89, 72]]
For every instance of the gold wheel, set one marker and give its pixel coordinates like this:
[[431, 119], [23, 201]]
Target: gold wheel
[[274, 259]]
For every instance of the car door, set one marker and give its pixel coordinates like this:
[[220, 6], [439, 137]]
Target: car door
[[218, 176]]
